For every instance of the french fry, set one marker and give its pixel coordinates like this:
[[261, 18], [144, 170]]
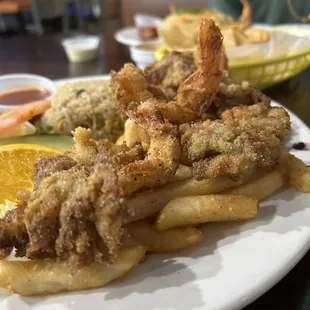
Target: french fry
[[120, 140], [150, 202], [183, 173], [256, 35], [261, 188], [296, 171], [134, 133], [229, 37], [40, 277], [171, 240], [193, 210]]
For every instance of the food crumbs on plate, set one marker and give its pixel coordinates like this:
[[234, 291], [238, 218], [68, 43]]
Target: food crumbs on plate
[[299, 146]]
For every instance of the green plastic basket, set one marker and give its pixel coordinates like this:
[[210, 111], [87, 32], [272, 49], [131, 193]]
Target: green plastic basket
[[266, 72]]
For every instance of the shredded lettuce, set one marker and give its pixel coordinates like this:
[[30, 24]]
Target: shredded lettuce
[[6, 206]]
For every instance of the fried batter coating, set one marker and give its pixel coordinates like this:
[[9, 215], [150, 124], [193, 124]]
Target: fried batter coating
[[50, 165], [245, 138], [194, 95], [169, 72], [73, 214], [163, 155], [13, 232], [175, 67], [147, 106], [200, 88], [137, 169], [232, 93]]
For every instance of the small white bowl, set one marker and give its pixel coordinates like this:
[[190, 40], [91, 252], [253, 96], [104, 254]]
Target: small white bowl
[[143, 54], [143, 20], [14, 82], [82, 48]]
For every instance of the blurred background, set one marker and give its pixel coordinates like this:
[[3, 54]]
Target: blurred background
[[32, 34], [52, 16], [46, 16]]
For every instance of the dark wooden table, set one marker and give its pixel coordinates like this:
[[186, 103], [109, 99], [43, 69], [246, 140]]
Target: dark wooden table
[[44, 55]]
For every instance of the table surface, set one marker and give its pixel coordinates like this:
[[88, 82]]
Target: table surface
[[44, 55]]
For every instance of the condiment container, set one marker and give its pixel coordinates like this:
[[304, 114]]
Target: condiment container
[[82, 48]]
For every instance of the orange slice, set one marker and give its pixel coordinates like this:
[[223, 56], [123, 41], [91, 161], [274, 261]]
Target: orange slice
[[16, 167]]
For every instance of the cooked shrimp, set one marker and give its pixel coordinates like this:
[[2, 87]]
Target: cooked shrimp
[[163, 155], [194, 95], [136, 168], [147, 106], [199, 90], [22, 114], [246, 15], [135, 100]]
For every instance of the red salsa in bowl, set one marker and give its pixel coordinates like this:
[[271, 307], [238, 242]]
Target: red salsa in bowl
[[22, 96], [20, 89]]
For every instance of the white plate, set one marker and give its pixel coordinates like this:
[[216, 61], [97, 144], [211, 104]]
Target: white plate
[[235, 264], [129, 36]]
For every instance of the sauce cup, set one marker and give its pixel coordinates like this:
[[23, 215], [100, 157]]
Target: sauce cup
[[23, 82], [143, 54], [81, 48]]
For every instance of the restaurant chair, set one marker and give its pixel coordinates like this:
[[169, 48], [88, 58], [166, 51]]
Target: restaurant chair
[[104, 10], [46, 9], [15, 8], [40, 9]]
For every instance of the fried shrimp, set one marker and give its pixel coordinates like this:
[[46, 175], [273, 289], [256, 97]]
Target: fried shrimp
[[198, 91], [136, 168], [139, 104], [194, 95], [246, 15], [147, 106], [169, 72], [163, 155]]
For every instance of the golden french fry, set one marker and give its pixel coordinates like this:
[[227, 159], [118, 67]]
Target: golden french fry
[[261, 188], [40, 277], [120, 140], [241, 38], [229, 37], [150, 202], [183, 173], [193, 210], [134, 133], [171, 240], [297, 172], [179, 36], [256, 35]]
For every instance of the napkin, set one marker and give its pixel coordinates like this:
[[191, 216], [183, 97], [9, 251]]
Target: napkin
[[280, 44]]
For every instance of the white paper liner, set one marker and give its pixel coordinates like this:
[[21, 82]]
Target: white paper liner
[[280, 44]]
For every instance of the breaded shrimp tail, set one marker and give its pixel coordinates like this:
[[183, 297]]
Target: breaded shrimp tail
[[199, 90], [195, 94]]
